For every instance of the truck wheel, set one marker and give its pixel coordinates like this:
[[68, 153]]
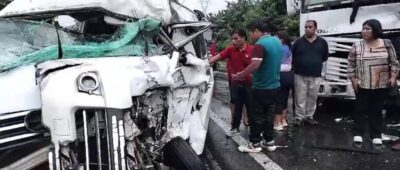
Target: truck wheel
[[179, 155]]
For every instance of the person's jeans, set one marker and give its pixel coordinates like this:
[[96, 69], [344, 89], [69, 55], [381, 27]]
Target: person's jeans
[[261, 114], [369, 103], [306, 94], [240, 96]]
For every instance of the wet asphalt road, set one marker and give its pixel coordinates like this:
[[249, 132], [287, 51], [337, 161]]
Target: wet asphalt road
[[9, 156], [327, 146]]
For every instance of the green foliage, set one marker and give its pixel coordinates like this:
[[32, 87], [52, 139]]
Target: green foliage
[[239, 14], [3, 3]]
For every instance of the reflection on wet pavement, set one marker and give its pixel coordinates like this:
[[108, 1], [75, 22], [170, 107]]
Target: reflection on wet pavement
[[330, 146], [326, 146]]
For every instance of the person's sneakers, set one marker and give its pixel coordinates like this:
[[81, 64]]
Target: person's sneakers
[[270, 146], [377, 141], [311, 121], [233, 132], [284, 123], [254, 145], [396, 146], [278, 127], [357, 139]]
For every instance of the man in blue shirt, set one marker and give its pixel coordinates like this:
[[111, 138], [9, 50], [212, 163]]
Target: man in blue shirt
[[265, 66]]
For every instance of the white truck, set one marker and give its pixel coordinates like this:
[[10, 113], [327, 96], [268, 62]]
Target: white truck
[[108, 84], [340, 23]]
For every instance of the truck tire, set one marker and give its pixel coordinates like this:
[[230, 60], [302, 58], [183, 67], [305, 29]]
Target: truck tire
[[179, 155]]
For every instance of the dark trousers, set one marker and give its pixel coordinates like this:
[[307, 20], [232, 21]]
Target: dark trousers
[[369, 103], [261, 115], [240, 96], [287, 83]]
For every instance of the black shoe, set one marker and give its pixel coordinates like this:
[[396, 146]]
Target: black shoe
[[270, 146], [298, 122], [311, 121]]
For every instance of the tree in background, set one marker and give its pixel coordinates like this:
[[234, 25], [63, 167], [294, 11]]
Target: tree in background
[[204, 5], [239, 14], [4, 3]]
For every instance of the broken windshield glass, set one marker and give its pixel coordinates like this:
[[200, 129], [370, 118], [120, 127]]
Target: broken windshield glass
[[29, 42]]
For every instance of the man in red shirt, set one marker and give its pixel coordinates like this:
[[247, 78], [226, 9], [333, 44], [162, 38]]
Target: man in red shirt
[[238, 58]]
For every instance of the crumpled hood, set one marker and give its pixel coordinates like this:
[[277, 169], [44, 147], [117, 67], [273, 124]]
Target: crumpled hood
[[140, 74]]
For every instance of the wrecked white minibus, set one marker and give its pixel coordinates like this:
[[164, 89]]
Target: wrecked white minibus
[[110, 84]]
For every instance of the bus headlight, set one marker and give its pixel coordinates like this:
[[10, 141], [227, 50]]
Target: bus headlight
[[89, 82]]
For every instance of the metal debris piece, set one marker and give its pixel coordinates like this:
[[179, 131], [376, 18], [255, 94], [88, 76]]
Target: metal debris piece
[[344, 120], [393, 125], [386, 137]]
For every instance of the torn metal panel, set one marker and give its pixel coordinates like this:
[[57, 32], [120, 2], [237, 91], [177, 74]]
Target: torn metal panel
[[187, 39], [131, 80], [190, 24], [178, 36], [189, 115], [179, 105], [181, 13], [159, 9], [198, 67]]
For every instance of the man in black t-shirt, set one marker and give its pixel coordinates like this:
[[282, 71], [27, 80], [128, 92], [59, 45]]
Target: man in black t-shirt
[[308, 53]]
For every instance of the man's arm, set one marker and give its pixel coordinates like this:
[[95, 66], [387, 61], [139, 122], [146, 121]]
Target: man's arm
[[294, 53], [256, 59], [215, 59], [326, 50], [394, 64], [351, 68], [224, 54]]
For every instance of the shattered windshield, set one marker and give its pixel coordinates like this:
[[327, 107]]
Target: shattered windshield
[[29, 42]]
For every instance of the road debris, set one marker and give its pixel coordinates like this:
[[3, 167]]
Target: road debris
[[344, 120], [343, 149], [386, 137], [249, 150], [393, 125]]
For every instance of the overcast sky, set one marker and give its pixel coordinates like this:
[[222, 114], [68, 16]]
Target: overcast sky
[[213, 7]]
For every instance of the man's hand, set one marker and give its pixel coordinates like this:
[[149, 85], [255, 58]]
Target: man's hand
[[214, 59], [355, 84], [392, 81], [238, 77]]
